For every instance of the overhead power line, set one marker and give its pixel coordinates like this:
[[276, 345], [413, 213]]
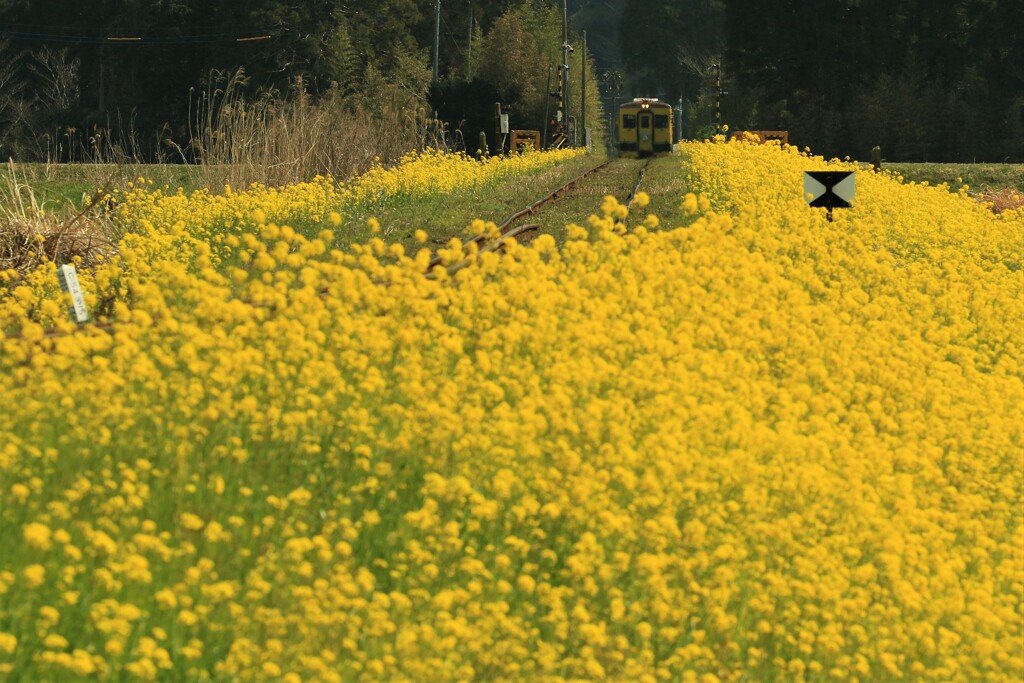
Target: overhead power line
[[67, 38]]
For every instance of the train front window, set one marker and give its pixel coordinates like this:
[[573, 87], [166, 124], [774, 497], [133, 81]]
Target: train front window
[[661, 120], [628, 121], [645, 121]]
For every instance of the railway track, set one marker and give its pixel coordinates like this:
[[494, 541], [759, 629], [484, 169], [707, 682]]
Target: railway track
[[507, 230], [639, 181]]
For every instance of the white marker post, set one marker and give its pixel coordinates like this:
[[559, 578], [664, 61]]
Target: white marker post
[[69, 283]]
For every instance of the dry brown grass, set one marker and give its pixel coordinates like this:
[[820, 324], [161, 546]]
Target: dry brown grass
[[272, 139], [275, 140], [1003, 199], [30, 235]]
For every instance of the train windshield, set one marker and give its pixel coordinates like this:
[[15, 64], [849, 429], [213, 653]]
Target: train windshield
[[628, 121], [661, 120]]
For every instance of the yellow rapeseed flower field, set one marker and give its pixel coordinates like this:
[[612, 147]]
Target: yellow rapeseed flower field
[[747, 445], [303, 205]]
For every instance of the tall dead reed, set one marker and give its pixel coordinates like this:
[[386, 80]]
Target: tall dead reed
[[235, 139], [274, 140]]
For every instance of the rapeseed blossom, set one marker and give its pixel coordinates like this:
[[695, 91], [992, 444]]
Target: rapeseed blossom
[[750, 445]]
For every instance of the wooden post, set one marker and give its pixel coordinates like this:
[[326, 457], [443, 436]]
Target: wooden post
[[498, 146], [876, 158]]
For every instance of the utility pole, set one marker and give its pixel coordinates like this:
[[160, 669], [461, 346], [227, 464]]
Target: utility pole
[[583, 89], [613, 78], [437, 35], [547, 105], [565, 61], [469, 45]]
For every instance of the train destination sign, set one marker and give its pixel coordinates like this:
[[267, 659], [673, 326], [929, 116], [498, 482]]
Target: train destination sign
[[829, 189]]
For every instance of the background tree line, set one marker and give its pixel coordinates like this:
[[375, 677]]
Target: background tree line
[[144, 73], [926, 81]]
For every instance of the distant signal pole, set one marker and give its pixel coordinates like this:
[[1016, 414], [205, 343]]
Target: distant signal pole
[[679, 120], [718, 96]]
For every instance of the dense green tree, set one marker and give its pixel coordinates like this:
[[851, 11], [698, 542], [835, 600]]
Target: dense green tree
[[143, 66], [925, 81], [667, 45], [523, 45], [139, 63], [600, 20]]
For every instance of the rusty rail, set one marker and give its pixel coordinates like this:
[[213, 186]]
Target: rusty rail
[[639, 180], [503, 228]]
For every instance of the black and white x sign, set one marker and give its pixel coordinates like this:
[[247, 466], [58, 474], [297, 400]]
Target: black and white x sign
[[829, 189]]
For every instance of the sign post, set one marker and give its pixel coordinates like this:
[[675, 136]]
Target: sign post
[[69, 283], [829, 189]]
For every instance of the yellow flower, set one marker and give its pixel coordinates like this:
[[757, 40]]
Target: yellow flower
[[187, 618], [55, 641], [34, 575], [166, 598], [82, 663], [49, 615], [37, 535], [689, 203], [191, 522], [193, 650], [526, 583]]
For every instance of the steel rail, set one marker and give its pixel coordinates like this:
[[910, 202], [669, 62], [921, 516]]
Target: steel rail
[[639, 180], [503, 227], [499, 241]]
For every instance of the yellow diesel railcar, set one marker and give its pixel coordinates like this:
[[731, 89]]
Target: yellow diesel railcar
[[645, 127]]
